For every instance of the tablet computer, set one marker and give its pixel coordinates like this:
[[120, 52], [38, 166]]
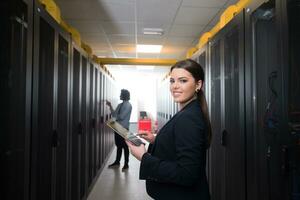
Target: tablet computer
[[123, 132]]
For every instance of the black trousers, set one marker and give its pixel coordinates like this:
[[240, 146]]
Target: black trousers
[[121, 144]]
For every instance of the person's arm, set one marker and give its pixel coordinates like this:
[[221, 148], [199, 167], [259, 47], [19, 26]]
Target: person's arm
[[190, 141], [112, 111]]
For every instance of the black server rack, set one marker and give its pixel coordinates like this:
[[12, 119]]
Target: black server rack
[[53, 144], [83, 157], [105, 138], [289, 121], [51, 105], [44, 133], [102, 104], [97, 123], [262, 90], [91, 123], [63, 118], [16, 69], [227, 112], [216, 176], [77, 128], [291, 159]]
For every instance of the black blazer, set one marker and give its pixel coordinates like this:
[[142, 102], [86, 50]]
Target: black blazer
[[174, 168]]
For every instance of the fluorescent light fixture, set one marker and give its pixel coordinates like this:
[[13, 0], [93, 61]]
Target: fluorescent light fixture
[[144, 48], [144, 67], [153, 31]]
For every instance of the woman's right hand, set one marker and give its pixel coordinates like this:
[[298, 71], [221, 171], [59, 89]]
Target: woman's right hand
[[147, 135]]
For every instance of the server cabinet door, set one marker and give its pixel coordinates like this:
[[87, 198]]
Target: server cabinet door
[[97, 121], [216, 159], [263, 87], [83, 142], [15, 58], [92, 123], [102, 100], [233, 133], [44, 136], [226, 102], [76, 127], [291, 152], [105, 116], [63, 102]]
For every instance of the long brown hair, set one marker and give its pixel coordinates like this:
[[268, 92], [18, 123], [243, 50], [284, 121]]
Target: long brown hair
[[198, 73]]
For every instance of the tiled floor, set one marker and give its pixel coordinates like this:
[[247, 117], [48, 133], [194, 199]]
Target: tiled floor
[[113, 184]]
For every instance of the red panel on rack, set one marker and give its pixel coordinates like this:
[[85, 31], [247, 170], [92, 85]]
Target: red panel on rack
[[145, 125]]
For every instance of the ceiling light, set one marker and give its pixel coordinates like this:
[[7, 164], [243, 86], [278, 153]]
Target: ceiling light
[[144, 48], [153, 31], [144, 67]]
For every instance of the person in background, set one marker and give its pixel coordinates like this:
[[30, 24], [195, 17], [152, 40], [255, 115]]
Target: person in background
[[174, 166], [122, 114]]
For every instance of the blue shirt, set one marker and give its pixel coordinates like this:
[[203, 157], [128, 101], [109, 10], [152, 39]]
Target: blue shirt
[[122, 113]]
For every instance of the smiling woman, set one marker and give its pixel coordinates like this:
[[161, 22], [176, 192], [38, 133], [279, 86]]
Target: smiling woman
[[174, 166]]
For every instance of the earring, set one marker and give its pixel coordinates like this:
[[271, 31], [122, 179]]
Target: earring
[[197, 90]]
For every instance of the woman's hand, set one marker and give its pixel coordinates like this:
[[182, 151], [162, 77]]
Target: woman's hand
[[137, 151], [147, 135]]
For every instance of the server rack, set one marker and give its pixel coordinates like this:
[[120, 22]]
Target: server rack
[[227, 111], [85, 128], [16, 68], [96, 121], [289, 121], [51, 105], [77, 127], [102, 100], [262, 83], [52, 146], [91, 124], [63, 117]]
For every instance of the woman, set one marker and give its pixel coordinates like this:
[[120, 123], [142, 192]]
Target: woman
[[174, 166], [122, 115]]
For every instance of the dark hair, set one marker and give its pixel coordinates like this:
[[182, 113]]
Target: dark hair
[[198, 73], [125, 95]]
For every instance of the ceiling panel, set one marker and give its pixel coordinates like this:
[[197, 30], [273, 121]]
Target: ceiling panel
[[185, 41], [104, 54], [115, 12], [86, 26], [93, 38], [101, 48], [195, 15], [149, 39], [204, 3], [172, 56], [127, 28], [112, 1], [121, 39], [230, 2], [112, 28], [157, 10], [74, 10], [186, 30]]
